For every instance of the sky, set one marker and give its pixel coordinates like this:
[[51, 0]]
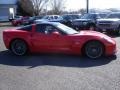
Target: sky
[[101, 4]]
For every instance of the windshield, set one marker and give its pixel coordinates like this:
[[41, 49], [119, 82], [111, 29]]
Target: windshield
[[70, 17], [103, 15], [45, 17], [75, 16], [87, 16], [66, 29], [113, 16], [90, 16]]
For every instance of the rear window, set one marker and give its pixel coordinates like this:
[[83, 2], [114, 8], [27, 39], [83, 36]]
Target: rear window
[[25, 28]]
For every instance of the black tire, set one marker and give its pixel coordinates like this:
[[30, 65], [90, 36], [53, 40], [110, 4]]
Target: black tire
[[19, 47], [94, 49]]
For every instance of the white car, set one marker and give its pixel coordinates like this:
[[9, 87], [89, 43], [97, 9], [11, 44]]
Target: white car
[[47, 18], [110, 23]]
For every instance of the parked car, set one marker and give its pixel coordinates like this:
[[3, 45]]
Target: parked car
[[64, 19], [53, 37], [32, 19], [87, 21], [25, 20], [47, 18], [17, 20], [110, 23], [20, 20], [67, 19]]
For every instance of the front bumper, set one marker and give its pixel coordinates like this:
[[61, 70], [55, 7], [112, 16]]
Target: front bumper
[[107, 27], [111, 49]]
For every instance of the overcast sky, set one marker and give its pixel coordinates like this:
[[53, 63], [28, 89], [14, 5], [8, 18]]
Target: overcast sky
[[102, 4]]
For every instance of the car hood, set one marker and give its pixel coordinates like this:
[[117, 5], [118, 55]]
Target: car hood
[[109, 19], [91, 33]]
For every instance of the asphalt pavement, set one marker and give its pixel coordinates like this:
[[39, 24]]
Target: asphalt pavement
[[58, 72]]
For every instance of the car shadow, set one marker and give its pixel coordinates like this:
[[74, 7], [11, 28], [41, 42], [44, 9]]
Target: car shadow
[[34, 60]]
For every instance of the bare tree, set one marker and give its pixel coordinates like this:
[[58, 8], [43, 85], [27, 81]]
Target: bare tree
[[38, 6], [57, 6], [33, 7]]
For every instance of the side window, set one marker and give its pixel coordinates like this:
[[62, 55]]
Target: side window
[[49, 29], [66, 17], [40, 28], [95, 16], [55, 17], [50, 17], [45, 28]]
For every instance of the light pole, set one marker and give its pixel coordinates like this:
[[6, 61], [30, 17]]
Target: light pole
[[87, 6]]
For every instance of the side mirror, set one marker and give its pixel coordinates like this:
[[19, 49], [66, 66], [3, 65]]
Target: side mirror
[[55, 33]]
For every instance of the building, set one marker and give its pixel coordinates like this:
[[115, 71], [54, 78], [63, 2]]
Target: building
[[7, 9]]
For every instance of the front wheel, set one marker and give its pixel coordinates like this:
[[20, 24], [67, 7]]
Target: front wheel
[[19, 47], [94, 49]]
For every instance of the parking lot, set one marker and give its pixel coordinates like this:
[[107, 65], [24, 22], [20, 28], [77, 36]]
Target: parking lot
[[58, 72]]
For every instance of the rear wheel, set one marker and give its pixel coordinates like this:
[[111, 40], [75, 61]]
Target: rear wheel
[[19, 47], [94, 49]]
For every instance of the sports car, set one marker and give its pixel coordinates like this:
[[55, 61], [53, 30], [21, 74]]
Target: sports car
[[53, 37]]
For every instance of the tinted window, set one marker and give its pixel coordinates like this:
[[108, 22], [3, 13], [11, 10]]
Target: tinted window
[[90, 16], [75, 16], [51, 17], [25, 28], [56, 17], [102, 15], [66, 17], [47, 29], [40, 28], [45, 17], [44, 28], [114, 16]]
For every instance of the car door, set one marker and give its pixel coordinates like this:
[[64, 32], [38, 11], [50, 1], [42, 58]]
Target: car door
[[45, 41]]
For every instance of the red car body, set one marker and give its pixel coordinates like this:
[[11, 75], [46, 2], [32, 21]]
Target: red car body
[[53, 43]]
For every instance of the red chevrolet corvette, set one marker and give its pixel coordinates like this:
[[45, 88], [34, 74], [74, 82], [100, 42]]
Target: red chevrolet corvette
[[51, 37]]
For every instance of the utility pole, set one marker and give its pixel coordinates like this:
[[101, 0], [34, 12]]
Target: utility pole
[[87, 6]]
